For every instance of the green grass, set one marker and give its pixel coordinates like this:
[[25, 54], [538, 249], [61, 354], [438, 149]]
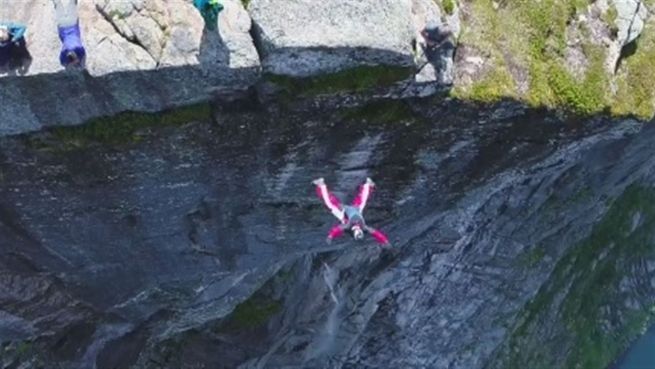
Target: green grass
[[484, 28], [448, 6], [609, 17], [381, 112], [551, 84], [530, 36], [494, 87], [356, 79], [586, 97], [123, 128], [245, 3], [253, 313], [23, 349], [588, 276]]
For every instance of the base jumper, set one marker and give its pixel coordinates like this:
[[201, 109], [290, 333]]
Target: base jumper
[[350, 216]]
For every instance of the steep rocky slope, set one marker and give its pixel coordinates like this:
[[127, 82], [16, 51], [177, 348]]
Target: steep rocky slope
[[154, 55], [192, 238], [203, 245]]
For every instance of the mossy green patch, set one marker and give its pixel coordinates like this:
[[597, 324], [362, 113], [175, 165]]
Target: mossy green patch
[[23, 349], [356, 79], [495, 86], [531, 258], [497, 83], [123, 127], [609, 17], [586, 97], [550, 83], [381, 112], [245, 3], [583, 288], [448, 6], [531, 36], [253, 313]]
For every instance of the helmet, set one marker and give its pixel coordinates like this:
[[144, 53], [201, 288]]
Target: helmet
[[4, 33], [71, 57], [357, 232]]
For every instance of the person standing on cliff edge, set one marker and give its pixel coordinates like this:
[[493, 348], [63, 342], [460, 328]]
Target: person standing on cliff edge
[[72, 51], [12, 45], [209, 10]]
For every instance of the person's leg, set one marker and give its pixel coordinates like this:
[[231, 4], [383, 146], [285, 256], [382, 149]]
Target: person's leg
[[329, 199], [20, 57], [65, 12], [71, 7], [59, 9], [363, 195], [71, 18]]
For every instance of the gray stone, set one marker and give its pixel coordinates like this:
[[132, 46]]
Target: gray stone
[[631, 15], [141, 55], [305, 37], [576, 60]]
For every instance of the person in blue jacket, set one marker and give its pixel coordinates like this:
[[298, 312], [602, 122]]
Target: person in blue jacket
[[12, 44], [209, 10], [72, 50]]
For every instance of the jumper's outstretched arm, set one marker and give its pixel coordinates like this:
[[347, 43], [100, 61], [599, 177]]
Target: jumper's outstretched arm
[[380, 237], [336, 231]]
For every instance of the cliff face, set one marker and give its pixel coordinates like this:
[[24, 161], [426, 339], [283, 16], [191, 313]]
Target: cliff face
[[203, 245], [192, 238], [154, 55]]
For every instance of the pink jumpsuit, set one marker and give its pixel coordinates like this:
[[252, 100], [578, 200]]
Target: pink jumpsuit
[[350, 215]]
